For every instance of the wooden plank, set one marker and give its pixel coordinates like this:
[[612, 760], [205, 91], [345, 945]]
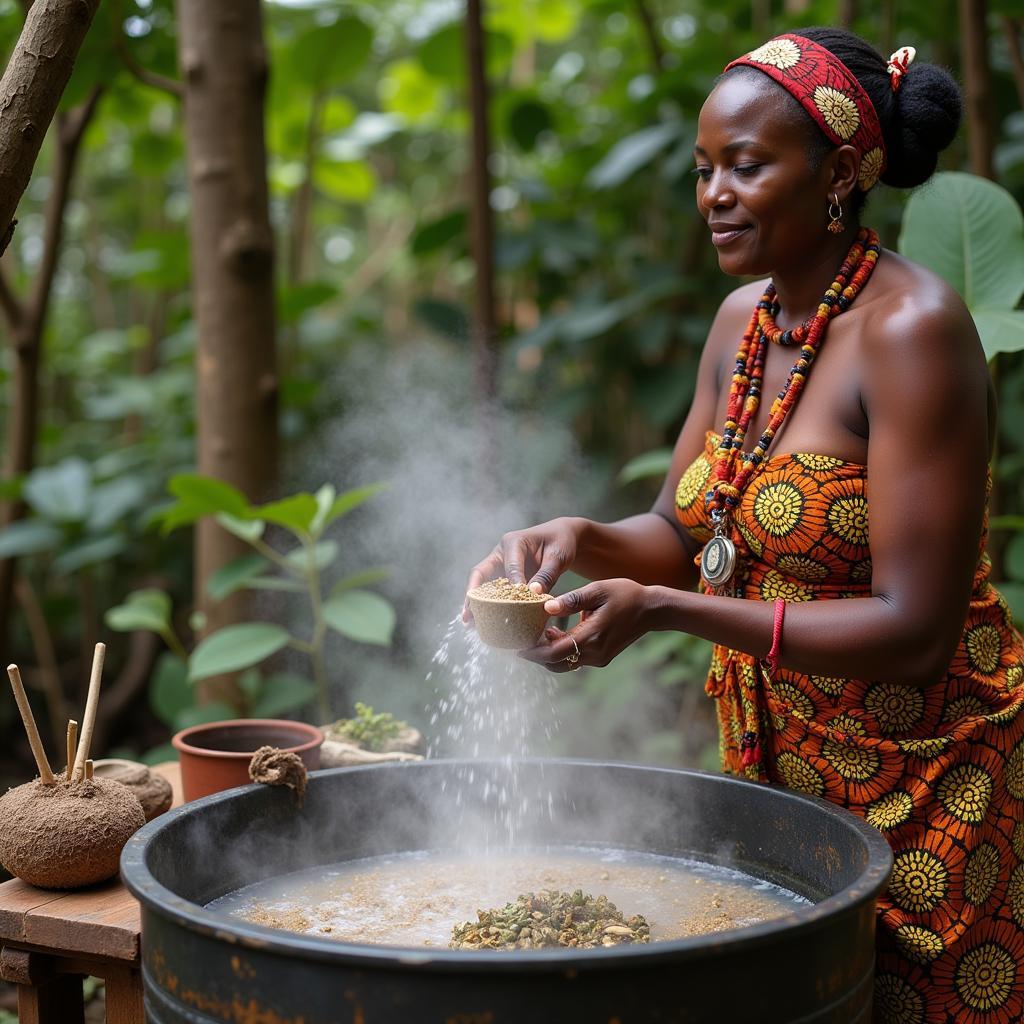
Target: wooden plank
[[17, 899], [124, 996], [102, 921]]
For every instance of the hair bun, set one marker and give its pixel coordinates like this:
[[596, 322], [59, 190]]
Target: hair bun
[[927, 115]]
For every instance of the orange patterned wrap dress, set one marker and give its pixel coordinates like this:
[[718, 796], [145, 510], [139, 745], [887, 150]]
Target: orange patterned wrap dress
[[939, 770]]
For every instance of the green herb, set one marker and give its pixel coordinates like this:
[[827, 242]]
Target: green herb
[[549, 919], [368, 730]]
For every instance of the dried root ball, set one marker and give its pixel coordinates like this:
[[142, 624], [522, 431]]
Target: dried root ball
[[153, 791], [67, 835]]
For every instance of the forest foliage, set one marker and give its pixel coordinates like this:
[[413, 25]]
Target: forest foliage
[[605, 290]]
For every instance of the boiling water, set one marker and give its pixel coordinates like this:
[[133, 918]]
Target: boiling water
[[415, 899]]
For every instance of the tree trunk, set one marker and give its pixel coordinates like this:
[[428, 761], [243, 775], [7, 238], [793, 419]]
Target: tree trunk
[[224, 66], [977, 86], [26, 321]]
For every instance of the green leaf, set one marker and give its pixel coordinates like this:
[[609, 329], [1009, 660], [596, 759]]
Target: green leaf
[[326, 55], [276, 583], [248, 530], [235, 647], [169, 691], [344, 503], [407, 90], [113, 500], [349, 181], [1001, 330], [652, 463], [324, 502], [282, 692], [296, 300], [296, 512], [448, 319], [236, 575], [1006, 523], [443, 54], [366, 578], [204, 714], [60, 492], [91, 551], [324, 553], [160, 754], [148, 609], [436, 234], [526, 121], [29, 537], [202, 496], [632, 153], [970, 231], [361, 615]]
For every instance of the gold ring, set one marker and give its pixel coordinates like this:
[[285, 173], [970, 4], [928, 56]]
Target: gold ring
[[575, 656]]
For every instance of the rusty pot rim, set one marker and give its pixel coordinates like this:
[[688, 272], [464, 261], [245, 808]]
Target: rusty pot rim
[[181, 740]]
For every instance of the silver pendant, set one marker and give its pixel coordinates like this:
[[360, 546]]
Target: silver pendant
[[718, 559]]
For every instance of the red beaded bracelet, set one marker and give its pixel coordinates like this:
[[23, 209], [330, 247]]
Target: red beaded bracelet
[[772, 658]]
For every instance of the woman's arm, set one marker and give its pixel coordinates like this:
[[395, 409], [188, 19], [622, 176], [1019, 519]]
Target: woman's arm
[[924, 388]]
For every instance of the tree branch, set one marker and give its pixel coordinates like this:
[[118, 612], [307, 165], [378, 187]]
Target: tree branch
[[650, 33], [143, 74], [11, 305], [31, 88]]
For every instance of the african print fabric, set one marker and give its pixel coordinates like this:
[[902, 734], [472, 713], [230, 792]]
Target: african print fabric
[[939, 769], [829, 91]]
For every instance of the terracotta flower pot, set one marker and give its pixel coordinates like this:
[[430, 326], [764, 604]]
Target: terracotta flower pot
[[216, 756]]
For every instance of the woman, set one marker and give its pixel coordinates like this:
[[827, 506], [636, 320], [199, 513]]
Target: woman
[[860, 653]]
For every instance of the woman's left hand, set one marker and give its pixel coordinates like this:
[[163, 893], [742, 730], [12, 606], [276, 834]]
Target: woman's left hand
[[614, 614]]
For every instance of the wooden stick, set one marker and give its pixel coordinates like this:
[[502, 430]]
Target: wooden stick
[[91, 703], [45, 773], [72, 741], [88, 768]]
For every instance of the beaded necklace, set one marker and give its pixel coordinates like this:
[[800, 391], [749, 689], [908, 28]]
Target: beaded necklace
[[733, 467]]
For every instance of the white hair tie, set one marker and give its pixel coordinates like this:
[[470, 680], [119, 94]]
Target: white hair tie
[[898, 64]]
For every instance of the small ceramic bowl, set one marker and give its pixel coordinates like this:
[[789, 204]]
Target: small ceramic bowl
[[510, 625], [216, 756]]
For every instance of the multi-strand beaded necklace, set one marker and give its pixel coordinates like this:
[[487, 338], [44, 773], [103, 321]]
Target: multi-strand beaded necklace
[[733, 467]]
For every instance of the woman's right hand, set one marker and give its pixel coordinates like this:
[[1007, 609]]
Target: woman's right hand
[[537, 556]]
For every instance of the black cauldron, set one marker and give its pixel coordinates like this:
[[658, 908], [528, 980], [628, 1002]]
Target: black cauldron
[[815, 964]]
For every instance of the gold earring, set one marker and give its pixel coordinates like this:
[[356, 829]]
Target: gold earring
[[835, 212]]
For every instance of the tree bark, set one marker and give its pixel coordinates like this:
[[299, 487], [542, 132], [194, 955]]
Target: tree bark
[[30, 90], [977, 86], [224, 68]]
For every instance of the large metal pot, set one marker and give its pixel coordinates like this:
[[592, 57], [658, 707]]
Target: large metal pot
[[813, 965]]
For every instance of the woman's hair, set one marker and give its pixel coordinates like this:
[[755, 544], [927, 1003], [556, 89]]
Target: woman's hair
[[918, 120]]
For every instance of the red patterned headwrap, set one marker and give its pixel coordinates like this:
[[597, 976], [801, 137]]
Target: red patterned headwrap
[[829, 92]]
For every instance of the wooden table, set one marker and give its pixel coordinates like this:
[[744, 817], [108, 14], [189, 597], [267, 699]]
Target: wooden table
[[49, 941]]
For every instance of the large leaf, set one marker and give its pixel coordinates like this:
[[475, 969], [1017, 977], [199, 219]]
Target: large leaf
[[60, 492], [295, 512], [970, 231], [434, 234], [236, 575], [113, 500], [248, 530], [282, 692], [324, 553], [202, 496], [235, 647], [633, 153], [148, 609], [653, 463], [361, 615], [1001, 330], [169, 691], [29, 537], [91, 551], [364, 578], [349, 500], [326, 55], [443, 54]]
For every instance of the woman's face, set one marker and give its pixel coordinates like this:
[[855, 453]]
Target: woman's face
[[765, 205]]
